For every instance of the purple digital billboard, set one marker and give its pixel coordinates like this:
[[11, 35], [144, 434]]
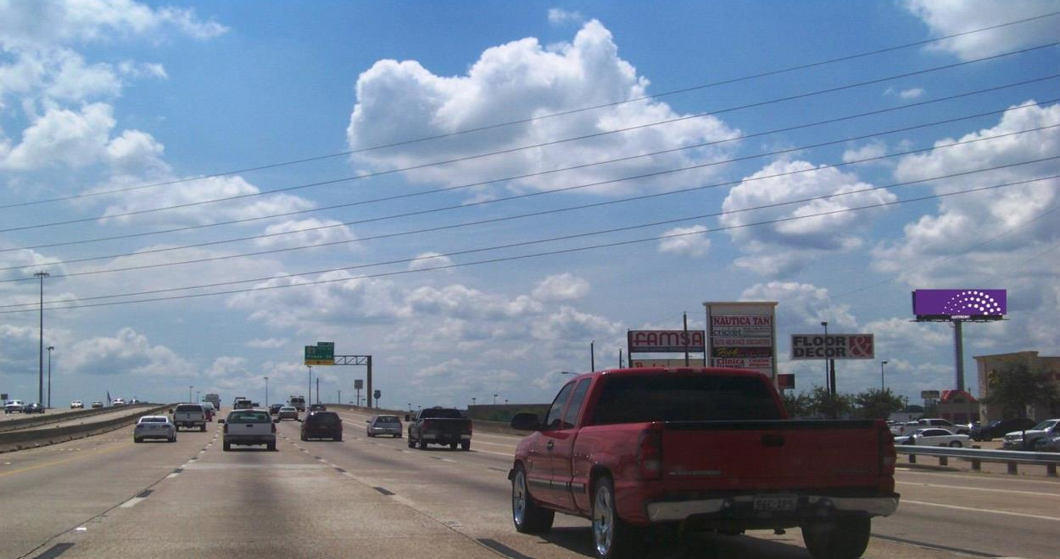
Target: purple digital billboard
[[960, 303]]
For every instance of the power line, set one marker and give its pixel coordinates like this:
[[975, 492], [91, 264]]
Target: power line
[[538, 241], [538, 145], [542, 117], [499, 219], [542, 173]]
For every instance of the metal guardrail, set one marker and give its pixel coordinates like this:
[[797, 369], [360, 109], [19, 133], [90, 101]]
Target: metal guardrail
[[977, 456]]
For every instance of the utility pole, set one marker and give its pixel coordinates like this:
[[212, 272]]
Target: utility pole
[[310, 393], [592, 355], [40, 379], [266, 392], [495, 399], [318, 389], [883, 385], [50, 348], [621, 364], [686, 338]]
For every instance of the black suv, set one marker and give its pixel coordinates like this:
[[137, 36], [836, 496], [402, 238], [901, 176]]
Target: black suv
[[998, 428], [317, 407], [322, 425]]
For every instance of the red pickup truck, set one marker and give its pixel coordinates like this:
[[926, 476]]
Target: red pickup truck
[[698, 449]]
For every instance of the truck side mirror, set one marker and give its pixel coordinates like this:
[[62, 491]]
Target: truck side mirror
[[526, 422]]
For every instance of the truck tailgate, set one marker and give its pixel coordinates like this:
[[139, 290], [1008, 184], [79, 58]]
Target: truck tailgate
[[766, 455]]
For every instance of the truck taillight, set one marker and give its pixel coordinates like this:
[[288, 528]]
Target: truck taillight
[[649, 453], [888, 456]]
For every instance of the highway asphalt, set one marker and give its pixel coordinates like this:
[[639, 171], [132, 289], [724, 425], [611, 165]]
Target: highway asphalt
[[104, 496]]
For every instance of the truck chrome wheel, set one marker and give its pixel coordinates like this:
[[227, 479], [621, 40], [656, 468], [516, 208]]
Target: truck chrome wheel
[[519, 498], [603, 520]]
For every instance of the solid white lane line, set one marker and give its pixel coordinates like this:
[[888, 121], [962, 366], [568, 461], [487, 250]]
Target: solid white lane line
[[132, 502], [973, 509], [511, 446], [504, 454], [966, 488], [980, 477]]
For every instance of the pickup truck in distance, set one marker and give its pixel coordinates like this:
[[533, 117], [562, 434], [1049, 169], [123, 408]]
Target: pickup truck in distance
[[639, 451], [190, 415], [439, 426]]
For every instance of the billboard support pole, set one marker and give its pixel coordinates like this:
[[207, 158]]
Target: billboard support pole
[[686, 338], [958, 344]]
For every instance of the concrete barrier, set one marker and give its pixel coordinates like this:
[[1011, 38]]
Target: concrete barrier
[[37, 420], [24, 439]]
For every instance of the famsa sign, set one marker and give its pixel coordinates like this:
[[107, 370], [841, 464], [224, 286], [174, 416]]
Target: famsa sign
[[666, 341]]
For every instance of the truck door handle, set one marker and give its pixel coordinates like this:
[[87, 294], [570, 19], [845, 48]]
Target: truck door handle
[[550, 445]]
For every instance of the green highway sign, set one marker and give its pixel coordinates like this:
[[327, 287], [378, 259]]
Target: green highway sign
[[321, 354]]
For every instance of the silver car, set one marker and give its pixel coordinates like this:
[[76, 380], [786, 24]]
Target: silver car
[[384, 425], [287, 412], [155, 427]]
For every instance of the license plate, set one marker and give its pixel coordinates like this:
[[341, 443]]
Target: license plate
[[775, 503]]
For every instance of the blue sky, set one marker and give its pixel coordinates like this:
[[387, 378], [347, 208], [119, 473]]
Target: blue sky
[[100, 98]]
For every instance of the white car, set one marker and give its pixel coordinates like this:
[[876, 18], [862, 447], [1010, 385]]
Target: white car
[[77, 405], [14, 406], [934, 437], [154, 427], [911, 427], [117, 402]]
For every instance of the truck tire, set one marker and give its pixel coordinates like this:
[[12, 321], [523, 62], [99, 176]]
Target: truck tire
[[845, 539], [527, 516], [452, 446], [227, 447], [422, 444], [466, 445], [202, 427], [613, 538], [411, 443], [271, 446]]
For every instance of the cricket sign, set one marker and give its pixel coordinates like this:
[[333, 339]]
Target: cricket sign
[[742, 336], [832, 346]]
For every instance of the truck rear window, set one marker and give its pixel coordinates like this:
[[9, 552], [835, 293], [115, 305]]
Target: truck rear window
[[441, 413], [189, 407], [642, 399], [250, 417]]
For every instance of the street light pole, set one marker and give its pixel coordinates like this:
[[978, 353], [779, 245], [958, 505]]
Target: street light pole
[[190, 401], [266, 392], [883, 385], [50, 348], [827, 384], [40, 378], [310, 393], [495, 399]]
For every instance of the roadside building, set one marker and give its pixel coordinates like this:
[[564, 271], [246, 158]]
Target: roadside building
[[989, 364], [958, 407]]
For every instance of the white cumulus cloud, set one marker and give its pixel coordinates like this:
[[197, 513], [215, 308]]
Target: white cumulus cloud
[[522, 80], [561, 287], [947, 17], [686, 241]]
